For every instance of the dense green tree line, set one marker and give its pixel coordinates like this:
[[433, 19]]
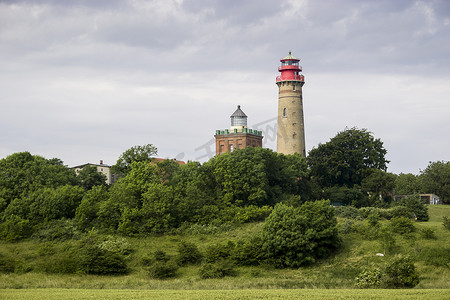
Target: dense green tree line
[[242, 186]]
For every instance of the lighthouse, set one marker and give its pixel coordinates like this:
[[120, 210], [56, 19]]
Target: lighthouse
[[240, 136], [290, 126]]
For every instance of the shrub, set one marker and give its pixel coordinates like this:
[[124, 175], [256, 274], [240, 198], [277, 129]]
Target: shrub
[[400, 211], [446, 222], [66, 262], [428, 233], [298, 236], [57, 230], [348, 212], [7, 264], [219, 269], [188, 253], [249, 252], [402, 225], [348, 226], [15, 228], [162, 269], [103, 256], [415, 206], [218, 252], [401, 273], [369, 279]]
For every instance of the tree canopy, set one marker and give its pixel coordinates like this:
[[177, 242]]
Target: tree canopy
[[134, 154], [347, 158]]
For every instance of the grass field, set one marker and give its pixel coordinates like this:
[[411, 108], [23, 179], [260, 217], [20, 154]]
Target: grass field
[[49, 294], [328, 279]]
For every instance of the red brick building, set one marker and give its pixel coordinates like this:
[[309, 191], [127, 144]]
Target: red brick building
[[239, 136]]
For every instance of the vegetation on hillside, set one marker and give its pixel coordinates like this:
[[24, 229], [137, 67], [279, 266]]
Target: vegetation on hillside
[[82, 222]]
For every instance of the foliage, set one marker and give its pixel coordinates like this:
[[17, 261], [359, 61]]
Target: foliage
[[219, 251], [415, 206], [438, 256], [6, 264], [402, 225], [401, 273], [15, 228], [90, 177], [162, 269], [369, 279], [347, 158], [446, 222], [86, 214], [22, 173], [56, 230], [298, 236], [406, 184], [218, 269], [134, 154], [103, 256], [346, 196], [428, 233], [380, 185], [248, 252], [436, 179], [188, 253]]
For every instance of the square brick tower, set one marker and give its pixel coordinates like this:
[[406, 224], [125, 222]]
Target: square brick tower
[[239, 136]]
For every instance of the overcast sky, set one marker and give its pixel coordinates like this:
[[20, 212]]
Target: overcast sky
[[85, 80]]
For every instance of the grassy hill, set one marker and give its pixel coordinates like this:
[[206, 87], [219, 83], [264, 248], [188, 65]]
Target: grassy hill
[[31, 259]]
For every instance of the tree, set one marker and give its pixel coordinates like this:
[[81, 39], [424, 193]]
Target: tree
[[347, 158], [298, 236], [415, 206], [22, 173], [134, 154], [380, 185], [90, 177], [407, 184], [436, 179]]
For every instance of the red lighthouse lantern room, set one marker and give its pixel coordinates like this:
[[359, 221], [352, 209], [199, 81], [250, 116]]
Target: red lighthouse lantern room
[[290, 69]]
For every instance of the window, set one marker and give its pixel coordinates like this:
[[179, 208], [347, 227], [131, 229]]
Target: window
[[284, 112], [293, 87], [231, 148]]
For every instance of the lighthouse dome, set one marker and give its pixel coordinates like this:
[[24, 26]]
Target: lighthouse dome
[[238, 118]]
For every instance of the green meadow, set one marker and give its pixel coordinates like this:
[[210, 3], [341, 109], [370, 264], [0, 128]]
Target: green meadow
[[330, 278]]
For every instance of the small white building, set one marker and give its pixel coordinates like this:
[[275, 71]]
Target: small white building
[[101, 168]]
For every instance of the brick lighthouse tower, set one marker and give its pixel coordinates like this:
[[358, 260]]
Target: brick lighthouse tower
[[290, 127]]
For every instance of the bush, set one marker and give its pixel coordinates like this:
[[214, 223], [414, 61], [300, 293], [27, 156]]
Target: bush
[[446, 222], [349, 226], [57, 230], [219, 269], [402, 225], [415, 206], [428, 233], [218, 252], [7, 264], [103, 256], [162, 269], [249, 252], [188, 253], [348, 212], [401, 273], [15, 228], [66, 262], [298, 236], [369, 279], [400, 211]]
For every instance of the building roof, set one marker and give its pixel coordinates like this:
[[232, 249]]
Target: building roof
[[238, 113], [156, 159], [290, 57]]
